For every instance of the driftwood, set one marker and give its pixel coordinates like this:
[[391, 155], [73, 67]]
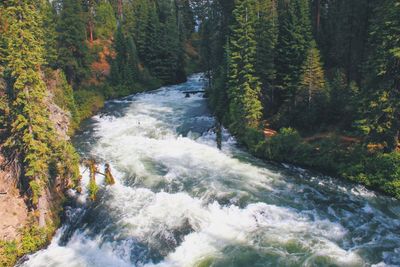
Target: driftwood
[[108, 175], [93, 170]]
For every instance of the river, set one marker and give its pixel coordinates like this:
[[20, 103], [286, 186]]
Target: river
[[180, 201]]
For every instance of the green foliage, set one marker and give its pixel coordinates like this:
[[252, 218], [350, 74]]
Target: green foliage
[[92, 188], [33, 238], [124, 68], [49, 28], [72, 48], [343, 104], [382, 86], [380, 170], [64, 98], [105, 21], [66, 162], [293, 44], [245, 109], [284, 146], [88, 102], [8, 253], [4, 106], [266, 28], [31, 132], [36, 188], [342, 34]]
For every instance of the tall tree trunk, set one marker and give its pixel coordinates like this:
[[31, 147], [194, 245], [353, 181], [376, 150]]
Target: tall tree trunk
[[91, 31], [120, 11]]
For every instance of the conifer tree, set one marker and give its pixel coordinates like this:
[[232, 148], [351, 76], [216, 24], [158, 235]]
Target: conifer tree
[[136, 22], [293, 44], [133, 60], [124, 68], [245, 109], [72, 47], [266, 36], [118, 64], [50, 35], [167, 68], [104, 20], [312, 80], [152, 40], [31, 130], [382, 86]]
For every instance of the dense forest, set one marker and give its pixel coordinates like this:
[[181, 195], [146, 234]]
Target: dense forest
[[315, 83], [325, 74], [67, 57]]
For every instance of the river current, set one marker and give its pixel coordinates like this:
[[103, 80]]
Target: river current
[[180, 201]]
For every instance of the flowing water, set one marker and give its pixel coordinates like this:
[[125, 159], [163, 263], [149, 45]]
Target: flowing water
[[180, 201]]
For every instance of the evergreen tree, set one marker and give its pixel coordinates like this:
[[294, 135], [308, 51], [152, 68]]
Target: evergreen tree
[[152, 40], [312, 81], [245, 109], [50, 35], [343, 33], [133, 60], [31, 130], [118, 64], [137, 19], [382, 86], [72, 47], [266, 36], [166, 70], [104, 20], [343, 101], [293, 44], [124, 68]]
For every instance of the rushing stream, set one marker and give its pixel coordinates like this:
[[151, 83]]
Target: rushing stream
[[180, 201]]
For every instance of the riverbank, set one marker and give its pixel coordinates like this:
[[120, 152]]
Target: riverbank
[[331, 154], [23, 236]]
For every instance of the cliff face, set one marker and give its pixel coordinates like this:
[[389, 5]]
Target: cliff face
[[13, 210], [15, 213]]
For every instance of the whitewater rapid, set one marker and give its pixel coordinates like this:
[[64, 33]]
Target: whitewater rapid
[[180, 201]]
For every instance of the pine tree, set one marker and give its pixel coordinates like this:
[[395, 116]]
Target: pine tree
[[343, 34], [104, 20], [382, 87], [31, 130], [133, 60], [118, 64], [266, 36], [312, 81], [50, 35], [245, 109], [72, 47], [293, 44], [166, 69], [124, 68], [136, 22], [150, 54]]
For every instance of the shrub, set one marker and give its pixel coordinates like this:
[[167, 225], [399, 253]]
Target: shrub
[[88, 102]]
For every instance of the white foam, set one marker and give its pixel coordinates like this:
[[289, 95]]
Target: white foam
[[145, 147]]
